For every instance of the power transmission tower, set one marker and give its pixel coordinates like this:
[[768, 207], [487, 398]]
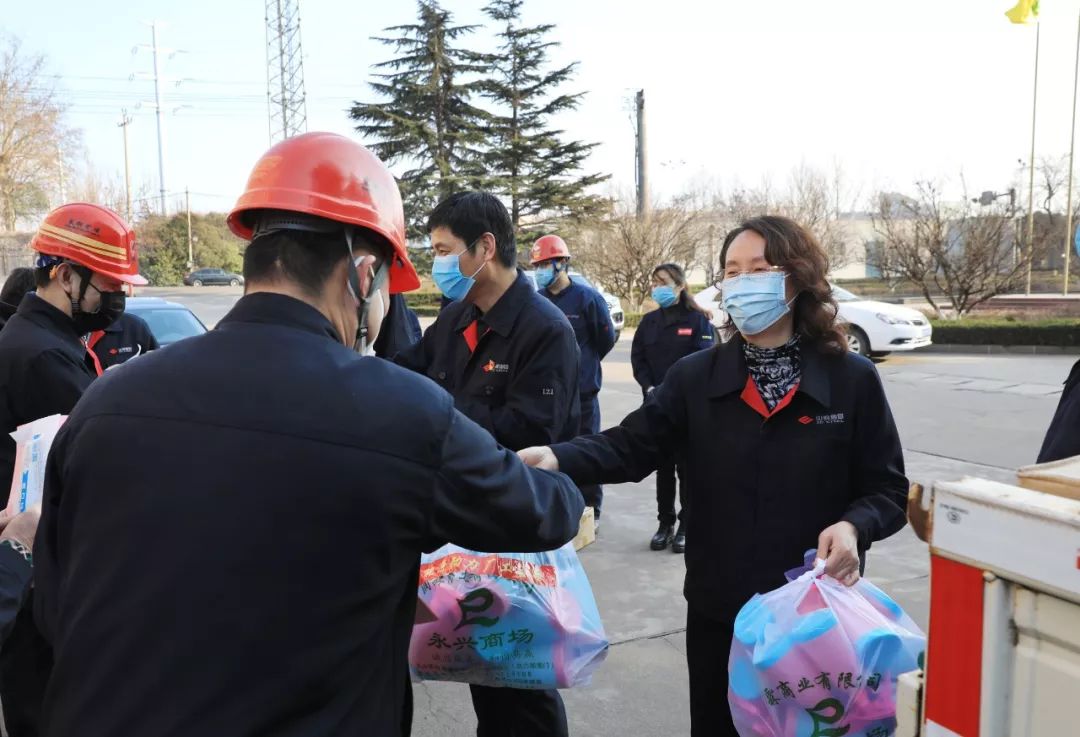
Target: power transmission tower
[[285, 97]]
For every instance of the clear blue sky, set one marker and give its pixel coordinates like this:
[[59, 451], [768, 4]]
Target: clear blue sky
[[736, 91]]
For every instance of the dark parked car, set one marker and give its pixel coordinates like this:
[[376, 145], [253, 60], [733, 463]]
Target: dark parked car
[[168, 321], [199, 277]]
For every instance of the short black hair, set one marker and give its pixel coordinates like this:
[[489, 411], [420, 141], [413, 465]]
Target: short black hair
[[302, 257], [42, 277], [19, 282], [469, 215]]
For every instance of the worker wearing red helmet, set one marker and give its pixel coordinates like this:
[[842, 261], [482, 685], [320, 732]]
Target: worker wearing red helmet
[[256, 499], [588, 314], [85, 256]]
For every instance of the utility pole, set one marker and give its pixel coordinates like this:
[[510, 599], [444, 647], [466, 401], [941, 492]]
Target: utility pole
[[642, 168], [190, 251], [1031, 167], [60, 165], [157, 113], [159, 105], [711, 271], [1072, 150], [125, 121]]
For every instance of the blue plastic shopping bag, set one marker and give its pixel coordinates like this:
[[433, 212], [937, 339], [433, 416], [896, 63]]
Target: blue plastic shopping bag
[[516, 620]]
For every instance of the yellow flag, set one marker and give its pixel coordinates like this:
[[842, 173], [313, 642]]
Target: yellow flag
[[1024, 9]]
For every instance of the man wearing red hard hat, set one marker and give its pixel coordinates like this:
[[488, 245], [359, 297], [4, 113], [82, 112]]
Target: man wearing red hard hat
[[255, 567], [85, 256], [588, 314]]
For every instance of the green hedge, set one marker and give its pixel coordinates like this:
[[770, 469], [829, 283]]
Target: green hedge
[[423, 298], [1003, 331]]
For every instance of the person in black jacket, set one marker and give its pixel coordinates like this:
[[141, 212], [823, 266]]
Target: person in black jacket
[[509, 357], [129, 336], [677, 328], [232, 527], [18, 283], [85, 256], [400, 329], [16, 564], [1063, 436], [790, 444]]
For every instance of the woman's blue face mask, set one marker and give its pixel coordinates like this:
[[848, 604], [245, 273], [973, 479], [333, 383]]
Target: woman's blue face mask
[[755, 302], [664, 295]]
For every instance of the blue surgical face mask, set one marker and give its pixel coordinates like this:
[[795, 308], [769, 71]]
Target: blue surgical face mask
[[755, 302], [446, 272], [544, 276], [664, 295]]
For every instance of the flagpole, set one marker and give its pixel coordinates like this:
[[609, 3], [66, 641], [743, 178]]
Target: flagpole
[[1072, 148], [1031, 166]]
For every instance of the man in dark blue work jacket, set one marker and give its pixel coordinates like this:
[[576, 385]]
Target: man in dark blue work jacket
[[128, 337], [232, 528], [1063, 436], [588, 314], [400, 329], [510, 359]]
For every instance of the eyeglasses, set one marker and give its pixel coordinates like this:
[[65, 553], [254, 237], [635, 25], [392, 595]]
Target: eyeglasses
[[751, 272]]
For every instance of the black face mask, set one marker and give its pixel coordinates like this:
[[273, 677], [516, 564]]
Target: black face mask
[[111, 307]]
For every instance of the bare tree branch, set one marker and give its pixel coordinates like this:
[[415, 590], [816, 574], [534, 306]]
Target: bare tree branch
[[32, 135], [622, 250], [950, 251]]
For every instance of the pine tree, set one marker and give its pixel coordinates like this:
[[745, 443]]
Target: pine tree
[[528, 162], [426, 118]]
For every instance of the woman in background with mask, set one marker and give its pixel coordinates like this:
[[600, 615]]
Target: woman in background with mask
[[788, 439], [676, 329]]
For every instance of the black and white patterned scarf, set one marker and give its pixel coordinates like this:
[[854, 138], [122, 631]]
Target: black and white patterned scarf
[[775, 371]]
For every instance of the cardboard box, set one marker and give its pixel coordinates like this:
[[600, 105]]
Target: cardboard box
[[1060, 478], [586, 531]]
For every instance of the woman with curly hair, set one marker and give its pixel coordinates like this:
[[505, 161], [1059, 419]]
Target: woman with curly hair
[[788, 440]]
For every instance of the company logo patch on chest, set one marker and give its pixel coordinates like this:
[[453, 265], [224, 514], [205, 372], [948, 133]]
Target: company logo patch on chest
[[835, 419], [496, 368], [686, 331]]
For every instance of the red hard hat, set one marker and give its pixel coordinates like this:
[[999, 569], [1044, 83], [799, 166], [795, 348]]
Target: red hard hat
[[93, 236], [548, 247], [333, 177]]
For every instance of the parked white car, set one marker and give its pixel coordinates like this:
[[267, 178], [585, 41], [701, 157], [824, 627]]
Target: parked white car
[[874, 328]]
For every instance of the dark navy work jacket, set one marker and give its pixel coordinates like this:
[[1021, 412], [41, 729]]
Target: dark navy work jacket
[[232, 530]]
